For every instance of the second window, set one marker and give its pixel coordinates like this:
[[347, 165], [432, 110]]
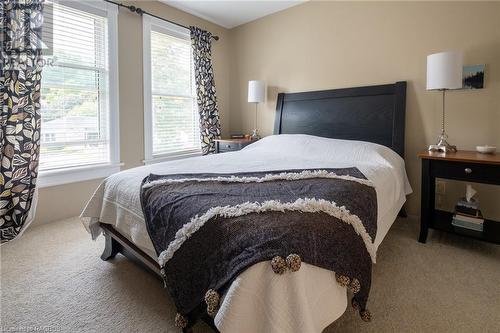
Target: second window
[[171, 112]]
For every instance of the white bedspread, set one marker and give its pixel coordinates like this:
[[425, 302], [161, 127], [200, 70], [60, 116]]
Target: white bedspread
[[259, 300]]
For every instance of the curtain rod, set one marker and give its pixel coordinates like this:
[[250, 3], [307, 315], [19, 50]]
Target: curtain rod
[[141, 11]]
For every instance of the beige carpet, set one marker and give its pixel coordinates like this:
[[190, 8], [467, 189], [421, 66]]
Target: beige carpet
[[52, 280]]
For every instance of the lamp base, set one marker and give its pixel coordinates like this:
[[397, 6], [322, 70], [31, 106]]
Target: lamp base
[[255, 135], [443, 146]]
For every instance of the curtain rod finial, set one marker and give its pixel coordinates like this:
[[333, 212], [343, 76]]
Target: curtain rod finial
[[135, 9]]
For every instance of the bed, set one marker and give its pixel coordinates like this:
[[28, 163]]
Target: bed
[[362, 127]]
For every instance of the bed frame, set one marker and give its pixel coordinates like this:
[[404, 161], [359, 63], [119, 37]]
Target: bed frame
[[374, 114]]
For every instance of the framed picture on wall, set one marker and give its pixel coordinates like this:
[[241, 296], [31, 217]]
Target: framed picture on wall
[[473, 77]]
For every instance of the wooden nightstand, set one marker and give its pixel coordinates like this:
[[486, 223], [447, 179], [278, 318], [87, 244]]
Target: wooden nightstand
[[226, 145], [466, 166]]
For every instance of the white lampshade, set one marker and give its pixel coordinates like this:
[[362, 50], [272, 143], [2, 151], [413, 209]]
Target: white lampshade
[[444, 70], [256, 91]]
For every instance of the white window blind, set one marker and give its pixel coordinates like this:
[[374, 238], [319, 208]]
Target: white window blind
[[75, 103], [174, 111]]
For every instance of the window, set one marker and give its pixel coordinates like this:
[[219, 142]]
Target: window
[[171, 123], [48, 137], [79, 130]]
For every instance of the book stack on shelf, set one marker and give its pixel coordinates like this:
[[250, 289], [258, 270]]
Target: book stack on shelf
[[468, 215]]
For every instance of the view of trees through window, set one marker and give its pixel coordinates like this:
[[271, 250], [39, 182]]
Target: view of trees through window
[[74, 103]]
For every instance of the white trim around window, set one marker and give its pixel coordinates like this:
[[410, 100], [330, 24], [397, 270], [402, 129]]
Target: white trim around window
[[153, 24], [76, 174], [114, 107], [147, 22], [47, 178]]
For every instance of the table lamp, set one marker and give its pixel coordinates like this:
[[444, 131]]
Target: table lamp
[[256, 94], [444, 72]]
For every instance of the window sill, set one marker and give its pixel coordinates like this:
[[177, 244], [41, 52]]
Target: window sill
[[56, 177], [173, 157]]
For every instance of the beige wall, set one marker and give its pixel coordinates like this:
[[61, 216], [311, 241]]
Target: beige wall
[[64, 201], [326, 45]]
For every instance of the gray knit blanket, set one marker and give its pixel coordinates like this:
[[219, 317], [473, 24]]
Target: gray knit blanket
[[208, 228]]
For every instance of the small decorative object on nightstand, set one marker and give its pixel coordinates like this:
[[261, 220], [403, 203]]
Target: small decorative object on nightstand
[[227, 145], [486, 149], [468, 166]]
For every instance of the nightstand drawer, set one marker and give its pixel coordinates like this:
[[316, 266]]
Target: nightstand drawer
[[229, 146], [467, 171]]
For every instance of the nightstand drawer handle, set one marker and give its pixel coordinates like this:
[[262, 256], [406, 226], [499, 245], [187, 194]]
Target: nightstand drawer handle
[[228, 146], [468, 170]]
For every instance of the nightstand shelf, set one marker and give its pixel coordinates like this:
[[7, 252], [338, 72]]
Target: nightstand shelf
[[442, 221], [465, 166]]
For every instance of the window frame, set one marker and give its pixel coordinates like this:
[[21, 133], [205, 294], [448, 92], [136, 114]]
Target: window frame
[[154, 24], [66, 175]]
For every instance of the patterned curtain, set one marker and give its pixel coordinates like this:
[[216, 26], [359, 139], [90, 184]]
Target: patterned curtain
[[201, 42], [20, 75]]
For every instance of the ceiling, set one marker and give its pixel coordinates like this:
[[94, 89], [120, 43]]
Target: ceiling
[[230, 14]]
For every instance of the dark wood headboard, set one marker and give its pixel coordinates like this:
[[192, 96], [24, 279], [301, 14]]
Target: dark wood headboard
[[374, 114]]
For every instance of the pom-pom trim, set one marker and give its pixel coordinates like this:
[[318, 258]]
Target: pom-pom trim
[[294, 262], [355, 286], [343, 280], [180, 321], [212, 300], [365, 315], [278, 264]]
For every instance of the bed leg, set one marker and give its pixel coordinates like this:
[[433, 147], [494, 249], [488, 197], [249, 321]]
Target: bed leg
[[111, 247], [402, 212]]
